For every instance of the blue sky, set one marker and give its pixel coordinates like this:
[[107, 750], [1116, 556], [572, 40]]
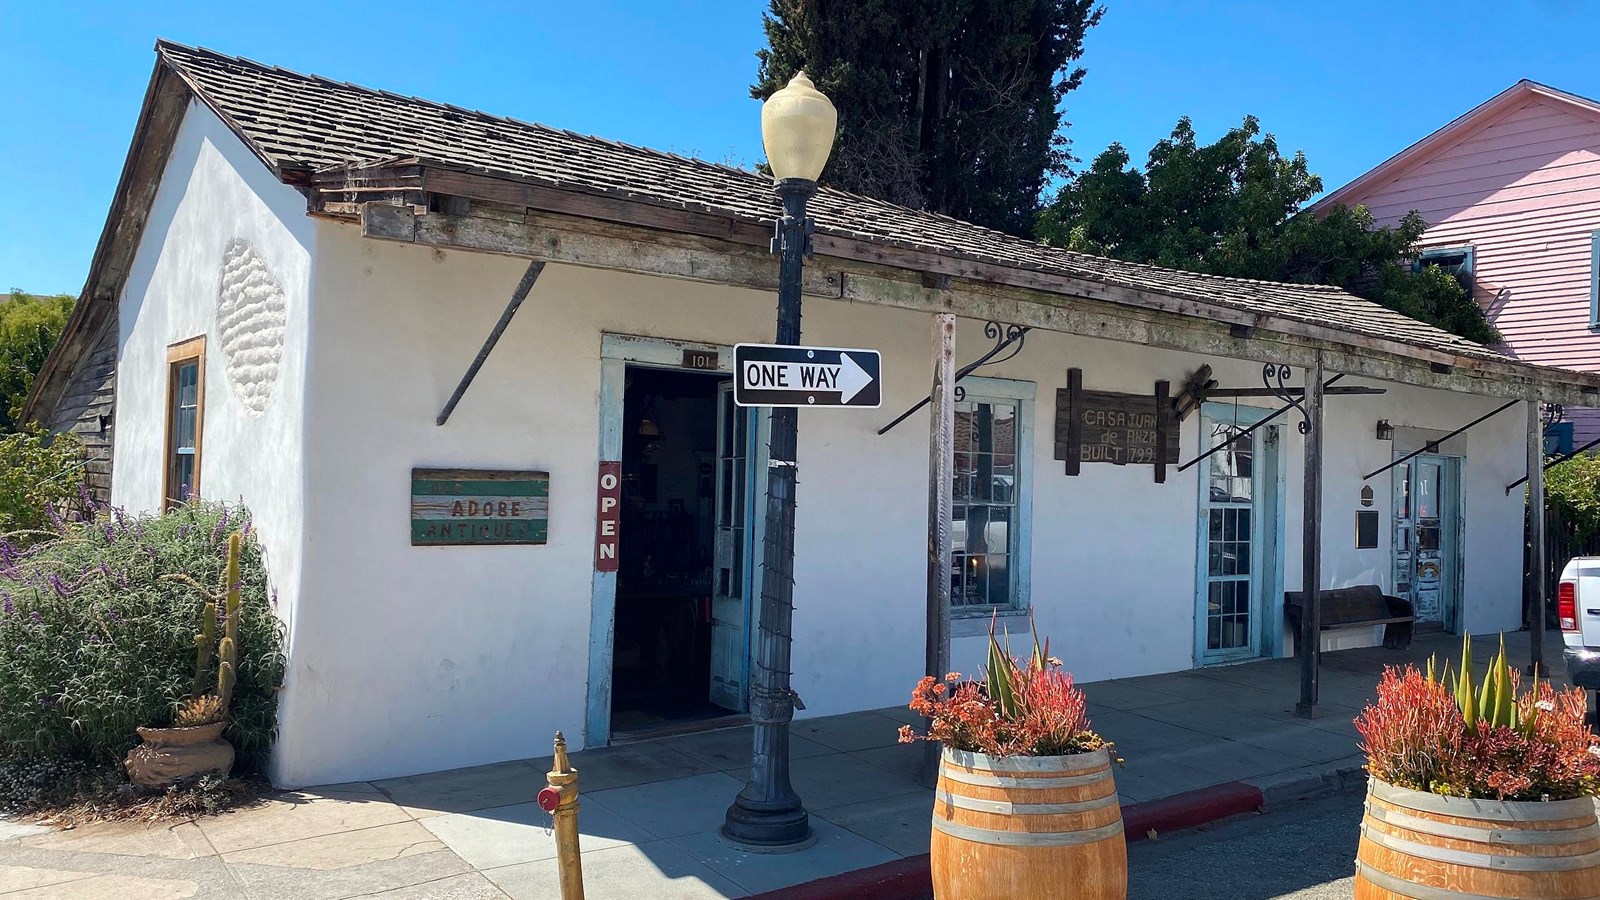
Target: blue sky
[[1350, 82]]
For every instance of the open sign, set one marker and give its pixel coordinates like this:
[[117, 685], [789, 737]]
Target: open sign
[[608, 517]]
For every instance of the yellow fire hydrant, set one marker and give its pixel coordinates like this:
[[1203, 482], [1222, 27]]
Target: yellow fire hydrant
[[560, 800]]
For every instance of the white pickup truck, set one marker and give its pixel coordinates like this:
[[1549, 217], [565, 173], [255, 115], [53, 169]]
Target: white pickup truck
[[1578, 612]]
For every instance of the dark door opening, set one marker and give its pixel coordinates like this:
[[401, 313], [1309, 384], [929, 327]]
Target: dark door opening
[[668, 641]]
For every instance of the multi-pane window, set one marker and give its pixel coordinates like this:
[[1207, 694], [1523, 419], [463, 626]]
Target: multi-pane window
[[1229, 533], [185, 409], [990, 504]]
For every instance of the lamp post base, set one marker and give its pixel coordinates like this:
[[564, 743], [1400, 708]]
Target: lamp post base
[[768, 827]]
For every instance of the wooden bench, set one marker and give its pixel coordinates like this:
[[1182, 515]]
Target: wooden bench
[[1351, 607]]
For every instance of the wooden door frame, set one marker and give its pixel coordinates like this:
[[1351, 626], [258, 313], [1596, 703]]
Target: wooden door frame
[[617, 353], [1268, 608]]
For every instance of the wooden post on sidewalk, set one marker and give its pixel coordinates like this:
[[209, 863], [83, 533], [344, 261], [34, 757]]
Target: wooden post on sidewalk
[[1311, 546], [1536, 540], [941, 484]]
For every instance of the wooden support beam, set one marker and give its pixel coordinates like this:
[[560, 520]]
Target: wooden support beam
[[1163, 423], [1311, 549], [517, 296], [941, 487], [1536, 541], [578, 241]]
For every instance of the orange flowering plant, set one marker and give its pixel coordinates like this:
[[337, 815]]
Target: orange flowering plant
[[1021, 708], [1491, 741]]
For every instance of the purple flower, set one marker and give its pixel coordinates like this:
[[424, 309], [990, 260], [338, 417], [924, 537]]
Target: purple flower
[[222, 525], [55, 517], [121, 516], [113, 615], [36, 618], [183, 531], [94, 638], [111, 533], [6, 605]]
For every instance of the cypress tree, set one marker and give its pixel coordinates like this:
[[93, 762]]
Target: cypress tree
[[953, 106]]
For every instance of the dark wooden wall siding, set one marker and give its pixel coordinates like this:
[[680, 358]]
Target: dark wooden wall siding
[[87, 408]]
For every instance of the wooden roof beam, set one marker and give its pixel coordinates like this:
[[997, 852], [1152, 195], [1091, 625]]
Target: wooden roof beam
[[577, 240]]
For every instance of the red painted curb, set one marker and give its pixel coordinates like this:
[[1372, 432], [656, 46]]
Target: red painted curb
[[903, 879], [909, 878], [1190, 808]]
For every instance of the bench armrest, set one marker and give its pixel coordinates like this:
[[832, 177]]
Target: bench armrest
[[1399, 607]]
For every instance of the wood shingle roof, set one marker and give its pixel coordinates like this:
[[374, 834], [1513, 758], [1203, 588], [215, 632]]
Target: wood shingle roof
[[301, 125]]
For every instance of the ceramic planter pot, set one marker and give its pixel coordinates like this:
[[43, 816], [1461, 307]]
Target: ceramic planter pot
[[1416, 844], [171, 755], [1027, 828]]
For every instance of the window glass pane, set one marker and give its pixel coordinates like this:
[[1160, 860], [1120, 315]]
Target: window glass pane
[[984, 492]]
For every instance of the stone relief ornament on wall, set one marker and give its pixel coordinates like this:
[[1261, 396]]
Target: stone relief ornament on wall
[[250, 322]]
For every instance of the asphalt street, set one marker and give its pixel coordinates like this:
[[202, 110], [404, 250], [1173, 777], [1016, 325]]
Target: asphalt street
[[1304, 851]]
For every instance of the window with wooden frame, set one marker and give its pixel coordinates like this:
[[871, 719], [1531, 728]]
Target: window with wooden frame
[[186, 401], [992, 500]]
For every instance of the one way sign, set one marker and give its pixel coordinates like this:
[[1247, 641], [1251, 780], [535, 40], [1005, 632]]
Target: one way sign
[[777, 375]]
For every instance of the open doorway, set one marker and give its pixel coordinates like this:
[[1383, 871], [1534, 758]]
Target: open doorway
[[680, 648]]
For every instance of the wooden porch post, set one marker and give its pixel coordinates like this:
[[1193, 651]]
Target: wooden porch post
[[1536, 539], [941, 484], [1311, 546]]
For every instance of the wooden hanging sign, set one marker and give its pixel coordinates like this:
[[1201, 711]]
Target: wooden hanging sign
[[1110, 427]]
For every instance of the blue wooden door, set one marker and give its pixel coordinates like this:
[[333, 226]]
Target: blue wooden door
[[1238, 536]]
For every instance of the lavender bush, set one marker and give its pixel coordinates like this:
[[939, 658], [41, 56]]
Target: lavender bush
[[97, 632]]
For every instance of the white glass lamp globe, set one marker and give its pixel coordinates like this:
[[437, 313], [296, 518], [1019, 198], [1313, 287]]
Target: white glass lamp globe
[[797, 126]]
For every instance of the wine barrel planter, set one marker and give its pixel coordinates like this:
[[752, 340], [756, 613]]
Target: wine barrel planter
[[1027, 828], [1429, 847]]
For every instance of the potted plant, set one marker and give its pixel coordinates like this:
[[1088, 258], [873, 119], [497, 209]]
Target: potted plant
[[1025, 802], [193, 745], [1478, 786]]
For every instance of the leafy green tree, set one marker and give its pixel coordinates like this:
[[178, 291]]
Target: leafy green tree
[[1233, 208], [39, 472], [954, 106], [1572, 493], [29, 327]]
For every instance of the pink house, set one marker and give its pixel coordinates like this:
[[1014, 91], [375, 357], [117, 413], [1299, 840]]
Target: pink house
[[1511, 195]]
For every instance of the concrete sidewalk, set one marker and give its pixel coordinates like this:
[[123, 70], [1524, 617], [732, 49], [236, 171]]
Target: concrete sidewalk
[[650, 810]]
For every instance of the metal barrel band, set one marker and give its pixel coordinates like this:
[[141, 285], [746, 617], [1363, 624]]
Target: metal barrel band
[[1552, 837], [1466, 808], [1396, 885], [1027, 838], [1076, 762], [1013, 782], [1007, 808], [1473, 860]]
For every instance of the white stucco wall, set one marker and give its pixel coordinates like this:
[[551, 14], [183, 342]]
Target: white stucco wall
[[407, 659], [416, 659], [213, 193]]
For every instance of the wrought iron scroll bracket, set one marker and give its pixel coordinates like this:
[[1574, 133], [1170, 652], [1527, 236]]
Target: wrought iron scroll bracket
[[1006, 338], [1276, 376]]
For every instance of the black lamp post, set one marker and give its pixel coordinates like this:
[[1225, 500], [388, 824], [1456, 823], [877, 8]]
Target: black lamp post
[[797, 127]]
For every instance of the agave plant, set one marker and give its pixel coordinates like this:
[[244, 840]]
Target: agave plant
[[1494, 702]]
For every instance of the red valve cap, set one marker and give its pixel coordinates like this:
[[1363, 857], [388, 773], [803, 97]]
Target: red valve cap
[[549, 799]]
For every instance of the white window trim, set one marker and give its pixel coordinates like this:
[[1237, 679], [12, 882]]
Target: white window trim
[[970, 621]]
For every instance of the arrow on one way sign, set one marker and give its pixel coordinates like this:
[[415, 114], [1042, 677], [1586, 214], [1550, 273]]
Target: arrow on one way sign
[[778, 375]]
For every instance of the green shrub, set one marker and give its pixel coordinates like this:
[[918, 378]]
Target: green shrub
[[97, 636], [38, 472], [1572, 494]]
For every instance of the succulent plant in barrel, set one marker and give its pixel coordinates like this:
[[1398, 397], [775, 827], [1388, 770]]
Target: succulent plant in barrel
[[1026, 802], [1478, 784]]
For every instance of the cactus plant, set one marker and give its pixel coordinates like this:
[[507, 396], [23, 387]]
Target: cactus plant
[[228, 649]]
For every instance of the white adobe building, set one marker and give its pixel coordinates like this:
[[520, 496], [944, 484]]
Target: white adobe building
[[296, 273]]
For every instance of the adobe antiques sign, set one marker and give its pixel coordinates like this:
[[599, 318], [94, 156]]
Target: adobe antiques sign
[[1116, 428], [479, 506]]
